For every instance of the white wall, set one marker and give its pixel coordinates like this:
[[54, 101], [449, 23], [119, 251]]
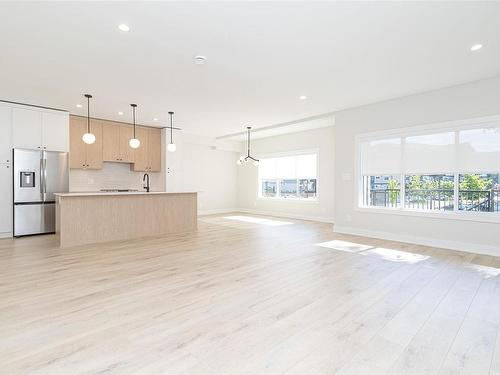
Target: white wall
[[476, 99], [322, 210], [206, 166]]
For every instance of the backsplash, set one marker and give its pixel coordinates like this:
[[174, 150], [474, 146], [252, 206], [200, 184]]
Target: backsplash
[[112, 176]]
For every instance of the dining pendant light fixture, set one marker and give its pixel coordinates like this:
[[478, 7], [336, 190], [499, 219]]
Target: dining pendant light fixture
[[246, 159], [88, 137], [134, 142], [171, 146]]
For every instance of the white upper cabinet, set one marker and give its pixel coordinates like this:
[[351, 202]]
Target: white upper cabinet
[[55, 131], [26, 128], [5, 200], [5, 134], [40, 129]]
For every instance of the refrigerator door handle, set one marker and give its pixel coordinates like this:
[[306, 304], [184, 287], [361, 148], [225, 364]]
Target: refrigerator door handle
[[44, 176], [41, 177]]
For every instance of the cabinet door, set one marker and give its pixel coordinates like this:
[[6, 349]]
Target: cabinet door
[[5, 134], [110, 142], [77, 151], [154, 150], [94, 151], [5, 199], [26, 128], [55, 131], [126, 152], [141, 155]]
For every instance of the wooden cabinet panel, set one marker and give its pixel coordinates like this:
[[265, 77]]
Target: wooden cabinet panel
[[154, 150], [94, 151], [55, 131], [141, 155], [77, 152], [26, 128], [83, 156], [110, 142], [126, 152]]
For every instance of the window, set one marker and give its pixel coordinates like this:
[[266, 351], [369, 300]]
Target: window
[[448, 170], [381, 191], [430, 192], [288, 177]]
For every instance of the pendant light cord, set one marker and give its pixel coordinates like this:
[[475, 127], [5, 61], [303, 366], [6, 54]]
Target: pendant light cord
[[248, 142], [134, 106], [88, 96], [171, 127]]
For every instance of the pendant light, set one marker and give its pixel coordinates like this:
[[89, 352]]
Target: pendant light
[[134, 142], [88, 137], [171, 146], [246, 159]]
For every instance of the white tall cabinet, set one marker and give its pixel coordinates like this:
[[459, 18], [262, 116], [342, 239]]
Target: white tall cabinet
[[26, 127]]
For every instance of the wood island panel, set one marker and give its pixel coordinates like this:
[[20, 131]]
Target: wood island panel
[[101, 218]]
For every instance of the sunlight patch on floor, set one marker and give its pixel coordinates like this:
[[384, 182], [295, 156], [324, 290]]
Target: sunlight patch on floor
[[350, 247], [486, 271], [258, 220], [396, 255]]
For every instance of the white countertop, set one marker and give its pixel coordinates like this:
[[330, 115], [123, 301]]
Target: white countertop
[[104, 193]]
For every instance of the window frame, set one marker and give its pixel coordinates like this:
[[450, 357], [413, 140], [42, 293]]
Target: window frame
[[402, 133], [314, 151]]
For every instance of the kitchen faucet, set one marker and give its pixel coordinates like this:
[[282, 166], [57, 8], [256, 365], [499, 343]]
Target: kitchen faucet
[[145, 178]]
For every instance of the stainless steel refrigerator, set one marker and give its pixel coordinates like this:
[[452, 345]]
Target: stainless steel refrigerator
[[37, 176]]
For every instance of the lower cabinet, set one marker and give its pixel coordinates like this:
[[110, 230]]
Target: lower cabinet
[[5, 200]]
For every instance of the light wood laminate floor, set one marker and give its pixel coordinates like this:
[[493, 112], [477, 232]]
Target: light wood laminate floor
[[247, 295]]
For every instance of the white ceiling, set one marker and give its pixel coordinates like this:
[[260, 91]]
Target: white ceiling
[[261, 57]]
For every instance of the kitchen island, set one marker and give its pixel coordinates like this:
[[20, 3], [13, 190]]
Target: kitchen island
[[88, 217]]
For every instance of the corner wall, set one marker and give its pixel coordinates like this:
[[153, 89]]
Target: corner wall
[[471, 100], [318, 139], [206, 166]]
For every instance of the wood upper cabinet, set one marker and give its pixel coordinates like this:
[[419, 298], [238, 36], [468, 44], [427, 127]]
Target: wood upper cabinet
[[126, 152], [83, 156], [148, 155], [154, 150], [141, 157], [112, 145], [115, 142]]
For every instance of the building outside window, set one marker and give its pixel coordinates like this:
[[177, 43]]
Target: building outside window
[[289, 177]]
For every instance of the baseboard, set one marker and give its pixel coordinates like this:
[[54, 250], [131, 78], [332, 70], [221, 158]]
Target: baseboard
[[6, 235], [216, 211], [444, 244], [286, 215]]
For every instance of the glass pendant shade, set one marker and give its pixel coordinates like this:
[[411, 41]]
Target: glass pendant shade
[[171, 147], [134, 143], [88, 138]]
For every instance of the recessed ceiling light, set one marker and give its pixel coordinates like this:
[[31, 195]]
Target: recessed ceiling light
[[155, 119], [200, 60], [124, 27], [79, 106], [476, 47], [302, 97], [120, 113]]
